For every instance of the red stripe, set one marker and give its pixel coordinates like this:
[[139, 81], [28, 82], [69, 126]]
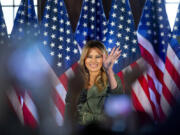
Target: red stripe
[[168, 96], [59, 103], [144, 84], [136, 102], [29, 119], [173, 73], [64, 80], [152, 86], [148, 57], [120, 74], [157, 95], [134, 64], [162, 115], [142, 81], [74, 66]]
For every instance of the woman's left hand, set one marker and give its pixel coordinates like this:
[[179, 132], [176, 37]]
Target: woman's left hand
[[108, 61]]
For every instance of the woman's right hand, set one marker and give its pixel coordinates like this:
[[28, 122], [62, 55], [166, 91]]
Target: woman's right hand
[[108, 61]]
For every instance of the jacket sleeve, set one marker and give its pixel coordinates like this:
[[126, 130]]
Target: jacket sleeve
[[119, 88]]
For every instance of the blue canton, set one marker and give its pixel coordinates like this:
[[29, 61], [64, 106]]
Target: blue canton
[[155, 26], [58, 45], [92, 23], [3, 29], [26, 23], [175, 41]]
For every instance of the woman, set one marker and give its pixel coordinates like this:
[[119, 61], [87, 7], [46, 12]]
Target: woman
[[99, 81]]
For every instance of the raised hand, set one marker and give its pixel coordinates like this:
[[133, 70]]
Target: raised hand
[[108, 61]]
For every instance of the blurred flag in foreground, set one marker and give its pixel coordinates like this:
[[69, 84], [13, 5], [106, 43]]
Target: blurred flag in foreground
[[24, 34]]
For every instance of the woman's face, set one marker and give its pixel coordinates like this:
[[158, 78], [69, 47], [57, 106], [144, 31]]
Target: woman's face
[[94, 60]]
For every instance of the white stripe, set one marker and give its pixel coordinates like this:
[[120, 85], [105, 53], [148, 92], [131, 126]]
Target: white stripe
[[31, 106], [157, 84], [165, 105], [148, 46], [174, 59], [55, 80], [153, 99], [69, 73], [54, 77], [13, 97], [61, 91], [151, 73], [171, 85], [138, 90], [58, 117]]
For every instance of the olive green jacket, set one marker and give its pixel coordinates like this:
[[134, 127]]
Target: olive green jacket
[[91, 103]]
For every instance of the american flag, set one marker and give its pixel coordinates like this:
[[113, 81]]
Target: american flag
[[92, 23], [24, 30], [3, 29], [171, 78], [154, 35], [58, 44], [26, 23], [121, 33]]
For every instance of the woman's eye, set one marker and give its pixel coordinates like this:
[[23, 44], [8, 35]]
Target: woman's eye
[[89, 56], [98, 56]]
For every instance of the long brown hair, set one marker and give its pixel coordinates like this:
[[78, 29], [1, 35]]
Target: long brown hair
[[101, 79]]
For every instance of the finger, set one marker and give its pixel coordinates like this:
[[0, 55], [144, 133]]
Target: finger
[[117, 51], [117, 56], [118, 48], [104, 57], [112, 51]]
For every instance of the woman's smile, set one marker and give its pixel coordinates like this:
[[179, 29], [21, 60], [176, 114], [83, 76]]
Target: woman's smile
[[94, 60]]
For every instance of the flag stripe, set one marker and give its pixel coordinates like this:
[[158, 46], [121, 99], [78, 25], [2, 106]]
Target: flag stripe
[[148, 57], [136, 102], [147, 46], [29, 120], [142, 97], [165, 106], [59, 103], [171, 85], [28, 102], [58, 116], [63, 79], [17, 104], [173, 72], [174, 59], [153, 88], [144, 84]]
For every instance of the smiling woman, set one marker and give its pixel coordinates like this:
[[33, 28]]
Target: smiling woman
[[99, 81]]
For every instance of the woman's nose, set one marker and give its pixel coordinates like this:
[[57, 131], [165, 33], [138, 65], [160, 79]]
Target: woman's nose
[[94, 59]]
